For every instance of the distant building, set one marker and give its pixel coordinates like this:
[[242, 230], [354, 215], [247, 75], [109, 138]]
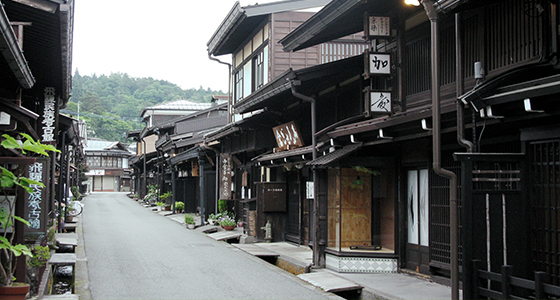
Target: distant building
[[108, 166], [161, 113]]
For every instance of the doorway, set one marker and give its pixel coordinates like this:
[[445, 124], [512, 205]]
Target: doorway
[[417, 207]]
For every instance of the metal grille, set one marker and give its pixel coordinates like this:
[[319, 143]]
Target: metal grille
[[545, 191]]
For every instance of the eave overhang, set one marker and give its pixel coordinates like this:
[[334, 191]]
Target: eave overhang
[[47, 42], [528, 81], [186, 155], [277, 94], [326, 25], [13, 54], [241, 21]]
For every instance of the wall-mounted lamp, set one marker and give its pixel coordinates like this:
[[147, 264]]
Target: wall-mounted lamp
[[412, 2], [425, 125], [528, 108], [381, 135]]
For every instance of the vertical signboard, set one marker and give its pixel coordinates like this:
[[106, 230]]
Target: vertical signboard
[[36, 203], [48, 134], [225, 176], [378, 27]]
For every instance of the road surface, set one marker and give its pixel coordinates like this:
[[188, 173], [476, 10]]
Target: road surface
[[133, 253]]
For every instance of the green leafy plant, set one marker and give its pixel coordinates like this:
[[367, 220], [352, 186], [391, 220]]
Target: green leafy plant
[[9, 182], [222, 205], [152, 189], [41, 256], [165, 196], [179, 206], [189, 219], [76, 195], [159, 203]]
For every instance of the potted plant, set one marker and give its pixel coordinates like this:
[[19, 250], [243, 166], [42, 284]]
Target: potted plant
[[164, 198], [36, 265], [160, 205], [10, 184], [189, 220], [179, 206], [227, 222]]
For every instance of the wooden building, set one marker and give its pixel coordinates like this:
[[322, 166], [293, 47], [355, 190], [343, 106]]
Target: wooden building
[[35, 71], [470, 95], [108, 167], [253, 160]]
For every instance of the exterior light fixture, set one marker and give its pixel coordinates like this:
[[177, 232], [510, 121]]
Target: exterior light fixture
[[412, 2]]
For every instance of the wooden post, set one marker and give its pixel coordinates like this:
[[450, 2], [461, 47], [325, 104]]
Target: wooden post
[[507, 271], [540, 279], [474, 279]]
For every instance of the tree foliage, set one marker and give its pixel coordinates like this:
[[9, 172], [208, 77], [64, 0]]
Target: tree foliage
[[111, 104]]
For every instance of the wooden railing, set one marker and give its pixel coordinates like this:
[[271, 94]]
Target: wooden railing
[[491, 285]]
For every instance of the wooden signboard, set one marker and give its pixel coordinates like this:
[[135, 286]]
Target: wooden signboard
[[288, 136], [36, 203], [225, 176], [378, 27]]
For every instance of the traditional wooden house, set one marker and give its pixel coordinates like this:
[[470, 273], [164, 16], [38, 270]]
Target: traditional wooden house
[[108, 168], [461, 126], [186, 161], [146, 162], [257, 161], [35, 72]]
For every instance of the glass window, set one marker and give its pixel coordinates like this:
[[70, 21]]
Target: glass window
[[258, 71], [239, 85], [417, 207]]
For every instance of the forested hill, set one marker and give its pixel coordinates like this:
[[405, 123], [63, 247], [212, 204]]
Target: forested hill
[[111, 104]]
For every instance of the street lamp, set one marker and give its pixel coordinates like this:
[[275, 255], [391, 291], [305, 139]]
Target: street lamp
[[412, 2]]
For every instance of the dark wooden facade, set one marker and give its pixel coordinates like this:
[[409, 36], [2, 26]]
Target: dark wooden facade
[[516, 42]]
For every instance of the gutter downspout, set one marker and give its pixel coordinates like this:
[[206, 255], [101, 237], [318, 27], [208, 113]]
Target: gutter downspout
[[436, 141], [460, 86], [230, 104], [316, 207]]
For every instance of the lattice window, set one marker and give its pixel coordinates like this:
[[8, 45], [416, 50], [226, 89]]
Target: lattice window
[[545, 203]]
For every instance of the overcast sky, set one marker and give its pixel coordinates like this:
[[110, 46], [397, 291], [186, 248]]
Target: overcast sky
[[163, 39]]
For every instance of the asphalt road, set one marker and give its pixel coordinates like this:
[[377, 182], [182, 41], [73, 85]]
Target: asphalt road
[[133, 253]]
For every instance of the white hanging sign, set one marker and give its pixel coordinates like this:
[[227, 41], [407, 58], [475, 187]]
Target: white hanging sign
[[379, 63], [379, 27]]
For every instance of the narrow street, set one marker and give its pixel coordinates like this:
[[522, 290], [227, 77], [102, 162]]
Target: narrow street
[[133, 253]]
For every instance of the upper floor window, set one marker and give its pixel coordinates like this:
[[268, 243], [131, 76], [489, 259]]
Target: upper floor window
[[258, 71], [238, 78]]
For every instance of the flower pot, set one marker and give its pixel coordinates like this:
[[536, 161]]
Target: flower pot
[[18, 291], [190, 226], [228, 227]]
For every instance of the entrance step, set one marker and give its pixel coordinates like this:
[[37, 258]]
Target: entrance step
[[226, 234], [330, 282], [62, 297], [256, 250]]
